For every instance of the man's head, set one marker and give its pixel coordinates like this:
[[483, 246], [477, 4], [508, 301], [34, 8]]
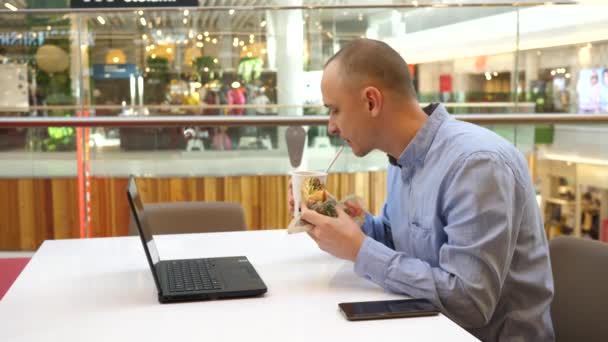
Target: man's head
[[605, 77], [594, 78], [362, 83]]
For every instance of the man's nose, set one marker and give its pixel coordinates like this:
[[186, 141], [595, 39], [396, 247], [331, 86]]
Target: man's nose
[[332, 128]]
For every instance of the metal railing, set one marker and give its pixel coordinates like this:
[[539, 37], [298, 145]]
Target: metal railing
[[312, 6], [272, 107], [221, 120]]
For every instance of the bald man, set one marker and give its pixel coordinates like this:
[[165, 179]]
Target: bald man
[[460, 225]]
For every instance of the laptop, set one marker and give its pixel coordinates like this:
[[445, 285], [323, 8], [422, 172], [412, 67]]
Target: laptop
[[193, 279]]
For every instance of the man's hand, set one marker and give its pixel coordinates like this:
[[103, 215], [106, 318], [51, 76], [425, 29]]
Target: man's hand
[[339, 236]]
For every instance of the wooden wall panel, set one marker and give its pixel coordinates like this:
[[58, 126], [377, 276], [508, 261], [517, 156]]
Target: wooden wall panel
[[35, 209], [109, 207], [10, 238], [63, 215], [32, 210]]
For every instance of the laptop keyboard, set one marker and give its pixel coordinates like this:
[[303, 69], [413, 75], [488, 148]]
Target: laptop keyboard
[[191, 275]]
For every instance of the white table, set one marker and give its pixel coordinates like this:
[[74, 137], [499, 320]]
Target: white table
[[102, 290]]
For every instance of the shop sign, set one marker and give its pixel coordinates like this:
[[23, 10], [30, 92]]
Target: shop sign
[[114, 71], [445, 83], [132, 3], [28, 38], [21, 39]]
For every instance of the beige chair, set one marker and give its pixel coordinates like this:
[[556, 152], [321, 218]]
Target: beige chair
[[192, 217], [580, 306]]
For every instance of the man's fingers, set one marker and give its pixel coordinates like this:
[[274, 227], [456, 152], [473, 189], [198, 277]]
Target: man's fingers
[[312, 216], [340, 210], [313, 232]]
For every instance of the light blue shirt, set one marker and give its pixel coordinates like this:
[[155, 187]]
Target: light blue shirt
[[462, 228]]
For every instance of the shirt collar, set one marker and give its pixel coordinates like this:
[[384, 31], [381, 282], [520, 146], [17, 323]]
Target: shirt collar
[[417, 149]]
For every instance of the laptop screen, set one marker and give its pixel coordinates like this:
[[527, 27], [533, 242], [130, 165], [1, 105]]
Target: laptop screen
[[140, 220]]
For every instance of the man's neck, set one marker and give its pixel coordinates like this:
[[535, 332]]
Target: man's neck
[[402, 125]]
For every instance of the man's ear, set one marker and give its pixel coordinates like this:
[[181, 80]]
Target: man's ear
[[374, 100]]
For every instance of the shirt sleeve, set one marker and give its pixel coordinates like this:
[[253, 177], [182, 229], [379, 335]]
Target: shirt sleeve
[[378, 228], [478, 207]]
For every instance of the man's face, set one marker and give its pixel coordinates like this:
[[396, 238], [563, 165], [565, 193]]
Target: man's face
[[348, 114], [605, 78]]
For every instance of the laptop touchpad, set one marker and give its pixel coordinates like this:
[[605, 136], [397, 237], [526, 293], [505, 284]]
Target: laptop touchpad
[[234, 276]]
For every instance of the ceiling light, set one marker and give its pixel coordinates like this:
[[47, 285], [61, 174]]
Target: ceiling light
[[10, 6], [143, 22], [231, 12], [101, 20]]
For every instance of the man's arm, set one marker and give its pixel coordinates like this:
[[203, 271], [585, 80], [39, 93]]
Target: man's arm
[[479, 209]]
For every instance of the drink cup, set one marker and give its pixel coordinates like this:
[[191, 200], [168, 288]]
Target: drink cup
[[297, 179]]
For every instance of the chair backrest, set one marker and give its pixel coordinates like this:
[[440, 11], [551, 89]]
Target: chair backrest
[[580, 272], [192, 217]]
